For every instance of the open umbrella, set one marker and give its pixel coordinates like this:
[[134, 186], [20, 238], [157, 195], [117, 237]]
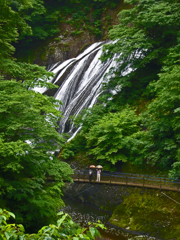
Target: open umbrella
[[99, 166], [92, 166]]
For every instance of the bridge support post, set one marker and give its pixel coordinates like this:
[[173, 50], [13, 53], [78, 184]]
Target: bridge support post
[[143, 181], [110, 179], [126, 181], [160, 184]]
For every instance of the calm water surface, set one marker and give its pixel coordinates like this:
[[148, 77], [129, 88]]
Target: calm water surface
[[83, 213]]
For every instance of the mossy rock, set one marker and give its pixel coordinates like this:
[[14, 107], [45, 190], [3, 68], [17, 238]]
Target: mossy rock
[[150, 212]]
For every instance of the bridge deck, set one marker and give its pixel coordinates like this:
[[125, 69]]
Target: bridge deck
[[161, 187]]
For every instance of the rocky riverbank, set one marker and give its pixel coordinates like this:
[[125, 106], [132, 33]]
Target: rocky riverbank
[[135, 210]]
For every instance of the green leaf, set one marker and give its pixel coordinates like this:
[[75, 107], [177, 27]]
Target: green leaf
[[60, 213], [61, 220], [1, 219], [92, 231], [12, 214], [7, 235]]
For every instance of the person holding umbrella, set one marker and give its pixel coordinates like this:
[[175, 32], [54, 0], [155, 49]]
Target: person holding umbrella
[[91, 172], [99, 167]]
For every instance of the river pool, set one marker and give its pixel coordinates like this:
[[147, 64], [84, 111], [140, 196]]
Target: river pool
[[82, 214]]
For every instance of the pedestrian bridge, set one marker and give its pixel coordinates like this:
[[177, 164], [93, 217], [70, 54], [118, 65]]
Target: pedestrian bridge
[[126, 179]]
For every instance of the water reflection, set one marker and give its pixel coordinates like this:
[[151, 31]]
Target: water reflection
[[83, 213]]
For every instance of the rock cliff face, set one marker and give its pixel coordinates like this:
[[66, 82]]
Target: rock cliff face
[[63, 47], [70, 42]]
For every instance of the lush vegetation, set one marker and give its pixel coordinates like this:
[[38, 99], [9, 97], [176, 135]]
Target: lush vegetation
[[137, 118], [149, 211], [45, 17], [65, 228], [31, 177]]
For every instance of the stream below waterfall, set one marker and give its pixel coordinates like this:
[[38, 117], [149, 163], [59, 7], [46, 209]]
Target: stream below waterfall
[[82, 214]]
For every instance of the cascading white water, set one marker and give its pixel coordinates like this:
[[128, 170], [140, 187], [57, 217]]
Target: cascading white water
[[79, 81]]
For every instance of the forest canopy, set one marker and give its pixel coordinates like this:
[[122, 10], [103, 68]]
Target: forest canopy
[[139, 124], [146, 81], [28, 136], [31, 177]]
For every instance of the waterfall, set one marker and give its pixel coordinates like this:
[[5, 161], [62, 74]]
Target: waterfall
[[79, 80]]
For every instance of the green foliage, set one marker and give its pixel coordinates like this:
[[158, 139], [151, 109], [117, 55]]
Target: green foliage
[[87, 119], [10, 22], [43, 21], [162, 120], [150, 212], [75, 146], [76, 33], [31, 177], [27, 140], [90, 116], [108, 140], [143, 37], [146, 78], [159, 144], [45, 18], [147, 40], [65, 228]]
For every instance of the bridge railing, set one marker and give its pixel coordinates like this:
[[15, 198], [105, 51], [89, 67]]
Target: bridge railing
[[129, 179]]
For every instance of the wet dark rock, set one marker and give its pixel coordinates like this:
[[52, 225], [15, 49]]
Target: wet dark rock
[[104, 197]]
